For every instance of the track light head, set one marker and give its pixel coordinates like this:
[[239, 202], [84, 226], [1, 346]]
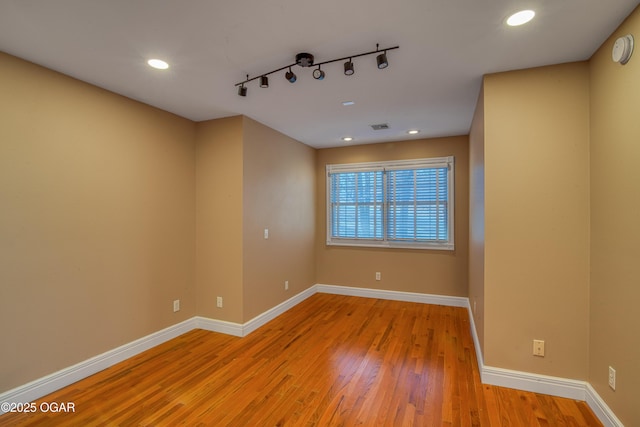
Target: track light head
[[290, 76], [348, 68], [242, 91], [382, 60], [264, 81], [318, 74]]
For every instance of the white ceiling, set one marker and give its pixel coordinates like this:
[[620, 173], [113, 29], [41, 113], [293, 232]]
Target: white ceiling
[[432, 82]]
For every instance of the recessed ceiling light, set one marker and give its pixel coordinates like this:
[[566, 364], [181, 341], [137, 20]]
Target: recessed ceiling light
[[347, 103], [413, 132], [347, 139], [520, 18], [158, 63]]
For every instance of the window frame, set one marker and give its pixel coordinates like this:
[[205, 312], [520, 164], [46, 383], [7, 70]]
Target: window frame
[[435, 162]]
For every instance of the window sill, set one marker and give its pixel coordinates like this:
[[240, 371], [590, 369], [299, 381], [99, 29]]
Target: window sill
[[447, 246]]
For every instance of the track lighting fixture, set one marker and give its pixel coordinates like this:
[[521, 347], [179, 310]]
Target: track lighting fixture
[[382, 60], [290, 76], [305, 60], [348, 68], [318, 74], [242, 90]]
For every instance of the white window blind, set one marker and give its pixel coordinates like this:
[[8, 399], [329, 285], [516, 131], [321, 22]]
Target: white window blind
[[357, 205], [397, 204]]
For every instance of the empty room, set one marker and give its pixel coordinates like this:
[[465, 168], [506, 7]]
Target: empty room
[[254, 213]]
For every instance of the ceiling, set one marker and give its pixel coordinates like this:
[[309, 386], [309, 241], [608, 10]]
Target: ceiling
[[431, 84]]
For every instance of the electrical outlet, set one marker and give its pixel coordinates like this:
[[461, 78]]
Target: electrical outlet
[[612, 378], [538, 348], [219, 302], [176, 305], [378, 275], [286, 285]]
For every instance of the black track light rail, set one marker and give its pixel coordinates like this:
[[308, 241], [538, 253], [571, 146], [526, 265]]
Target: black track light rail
[[350, 57]]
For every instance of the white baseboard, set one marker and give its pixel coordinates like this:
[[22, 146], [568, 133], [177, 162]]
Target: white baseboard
[[474, 335], [221, 326], [55, 381], [561, 387], [276, 311], [67, 376], [393, 295], [554, 386], [601, 409], [244, 329]]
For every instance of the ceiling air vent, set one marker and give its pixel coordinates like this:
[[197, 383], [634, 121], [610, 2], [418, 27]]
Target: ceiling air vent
[[381, 126]]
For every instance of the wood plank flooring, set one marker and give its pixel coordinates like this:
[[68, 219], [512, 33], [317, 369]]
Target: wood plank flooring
[[330, 361]]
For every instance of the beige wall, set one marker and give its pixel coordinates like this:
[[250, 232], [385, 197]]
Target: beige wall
[[251, 177], [101, 200], [426, 271], [615, 225], [96, 221], [476, 218], [536, 279], [278, 194], [219, 181]]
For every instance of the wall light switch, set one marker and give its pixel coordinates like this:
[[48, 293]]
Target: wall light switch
[[266, 233], [612, 378]]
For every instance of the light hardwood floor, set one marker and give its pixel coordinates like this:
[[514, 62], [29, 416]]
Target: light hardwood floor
[[330, 361]]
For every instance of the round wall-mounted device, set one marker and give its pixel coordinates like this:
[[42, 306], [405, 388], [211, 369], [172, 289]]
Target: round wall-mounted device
[[622, 49]]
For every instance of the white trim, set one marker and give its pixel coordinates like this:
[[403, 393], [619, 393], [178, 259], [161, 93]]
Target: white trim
[[64, 377], [476, 340], [430, 162], [383, 167], [553, 386], [57, 380], [221, 326], [601, 409], [392, 244], [244, 329], [393, 295], [276, 311]]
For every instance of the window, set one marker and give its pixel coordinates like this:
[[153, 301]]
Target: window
[[406, 204]]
